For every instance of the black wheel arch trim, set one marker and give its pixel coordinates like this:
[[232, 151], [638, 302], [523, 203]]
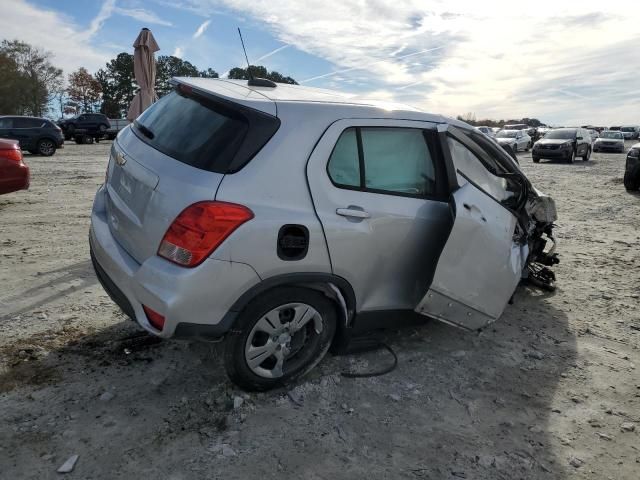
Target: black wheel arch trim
[[298, 279]]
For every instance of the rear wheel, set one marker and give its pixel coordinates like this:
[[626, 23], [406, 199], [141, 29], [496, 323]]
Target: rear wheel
[[46, 147], [279, 337]]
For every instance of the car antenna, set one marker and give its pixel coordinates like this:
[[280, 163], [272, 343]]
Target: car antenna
[[254, 81]]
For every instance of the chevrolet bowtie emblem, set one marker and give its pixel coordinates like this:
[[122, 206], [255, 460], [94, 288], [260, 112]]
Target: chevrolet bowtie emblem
[[120, 159]]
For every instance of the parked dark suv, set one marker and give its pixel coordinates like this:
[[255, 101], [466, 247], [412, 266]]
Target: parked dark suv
[[632, 168], [563, 144], [92, 124], [36, 135]]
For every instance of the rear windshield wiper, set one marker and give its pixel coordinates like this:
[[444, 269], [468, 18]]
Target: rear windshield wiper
[[144, 130]]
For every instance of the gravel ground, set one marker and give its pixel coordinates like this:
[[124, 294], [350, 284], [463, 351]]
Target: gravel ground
[[550, 391]]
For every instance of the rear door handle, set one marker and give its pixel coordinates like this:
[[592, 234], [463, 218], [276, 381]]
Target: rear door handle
[[352, 212]]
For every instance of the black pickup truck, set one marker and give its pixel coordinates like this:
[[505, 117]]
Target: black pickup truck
[[92, 125]]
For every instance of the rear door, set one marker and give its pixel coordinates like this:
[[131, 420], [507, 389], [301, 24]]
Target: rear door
[[26, 131], [482, 261], [377, 188]]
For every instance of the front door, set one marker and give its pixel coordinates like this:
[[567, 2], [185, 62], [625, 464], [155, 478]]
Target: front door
[[378, 189], [482, 261]]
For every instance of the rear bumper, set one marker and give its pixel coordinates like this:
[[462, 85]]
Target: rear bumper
[[194, 302], [14, 177]]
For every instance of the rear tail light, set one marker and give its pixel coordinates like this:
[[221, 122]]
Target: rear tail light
[[199, 230], [155, 319], [13, 154]]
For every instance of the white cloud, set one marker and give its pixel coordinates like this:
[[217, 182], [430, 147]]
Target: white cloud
[[496, 60], [55, 33], [201, 29], [178, 52], [142, 16]]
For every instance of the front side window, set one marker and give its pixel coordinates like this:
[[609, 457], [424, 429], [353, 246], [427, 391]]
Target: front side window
[[392, 160], [469, 168]]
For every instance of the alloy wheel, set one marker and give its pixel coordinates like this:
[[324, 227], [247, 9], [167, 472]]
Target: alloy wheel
[[277, 339], [46, 147]]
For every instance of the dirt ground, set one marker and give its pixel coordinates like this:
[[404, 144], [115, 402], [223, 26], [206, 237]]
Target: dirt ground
[[550, 391]]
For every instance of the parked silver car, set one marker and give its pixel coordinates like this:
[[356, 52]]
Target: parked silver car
[[488, 131], [287, 218], [518, 140], [609, 141]]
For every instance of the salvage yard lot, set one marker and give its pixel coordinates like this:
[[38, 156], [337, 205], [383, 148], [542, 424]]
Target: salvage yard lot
[[551, 390]]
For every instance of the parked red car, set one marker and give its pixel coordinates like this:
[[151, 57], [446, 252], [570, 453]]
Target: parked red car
[[14, 173]]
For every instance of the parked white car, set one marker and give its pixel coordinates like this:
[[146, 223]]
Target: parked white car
[[517, 140]]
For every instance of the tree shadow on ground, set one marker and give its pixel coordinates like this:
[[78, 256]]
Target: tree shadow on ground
[[80, 274]]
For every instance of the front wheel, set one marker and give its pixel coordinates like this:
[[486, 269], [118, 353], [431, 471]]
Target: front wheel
[[279, 337], [46, 147], [587, 155], [632, 180], [536, 160], [572, 157]]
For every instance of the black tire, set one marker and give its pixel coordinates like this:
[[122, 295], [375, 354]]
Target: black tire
[[87, 139], [536, 160], [572, 158], [302, 361], [587, 156], [46, 147], [632, 180]]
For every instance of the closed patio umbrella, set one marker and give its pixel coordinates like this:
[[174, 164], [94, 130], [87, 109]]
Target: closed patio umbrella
[[144, 69]]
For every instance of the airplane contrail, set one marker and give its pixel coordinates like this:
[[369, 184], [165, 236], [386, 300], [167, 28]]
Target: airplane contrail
[[272, 52], [336, 72]]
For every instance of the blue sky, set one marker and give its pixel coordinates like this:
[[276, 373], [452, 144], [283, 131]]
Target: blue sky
[[562, 62]]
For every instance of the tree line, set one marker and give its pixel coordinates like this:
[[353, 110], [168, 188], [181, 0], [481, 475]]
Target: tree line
[[31, 85], [470, 118]]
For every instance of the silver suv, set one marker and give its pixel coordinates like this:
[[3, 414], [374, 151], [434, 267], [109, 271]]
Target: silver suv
[[286, 218]]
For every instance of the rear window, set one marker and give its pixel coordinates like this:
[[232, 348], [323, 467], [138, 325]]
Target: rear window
[[217, 136]]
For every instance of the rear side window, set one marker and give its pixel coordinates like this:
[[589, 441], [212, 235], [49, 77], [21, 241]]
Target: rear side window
[[384, 160], [6, 122], [27, 123], [210, 135]]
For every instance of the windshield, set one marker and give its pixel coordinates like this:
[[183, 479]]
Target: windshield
[[628, 129], [561, 134], [506, 134], [617, 135]]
